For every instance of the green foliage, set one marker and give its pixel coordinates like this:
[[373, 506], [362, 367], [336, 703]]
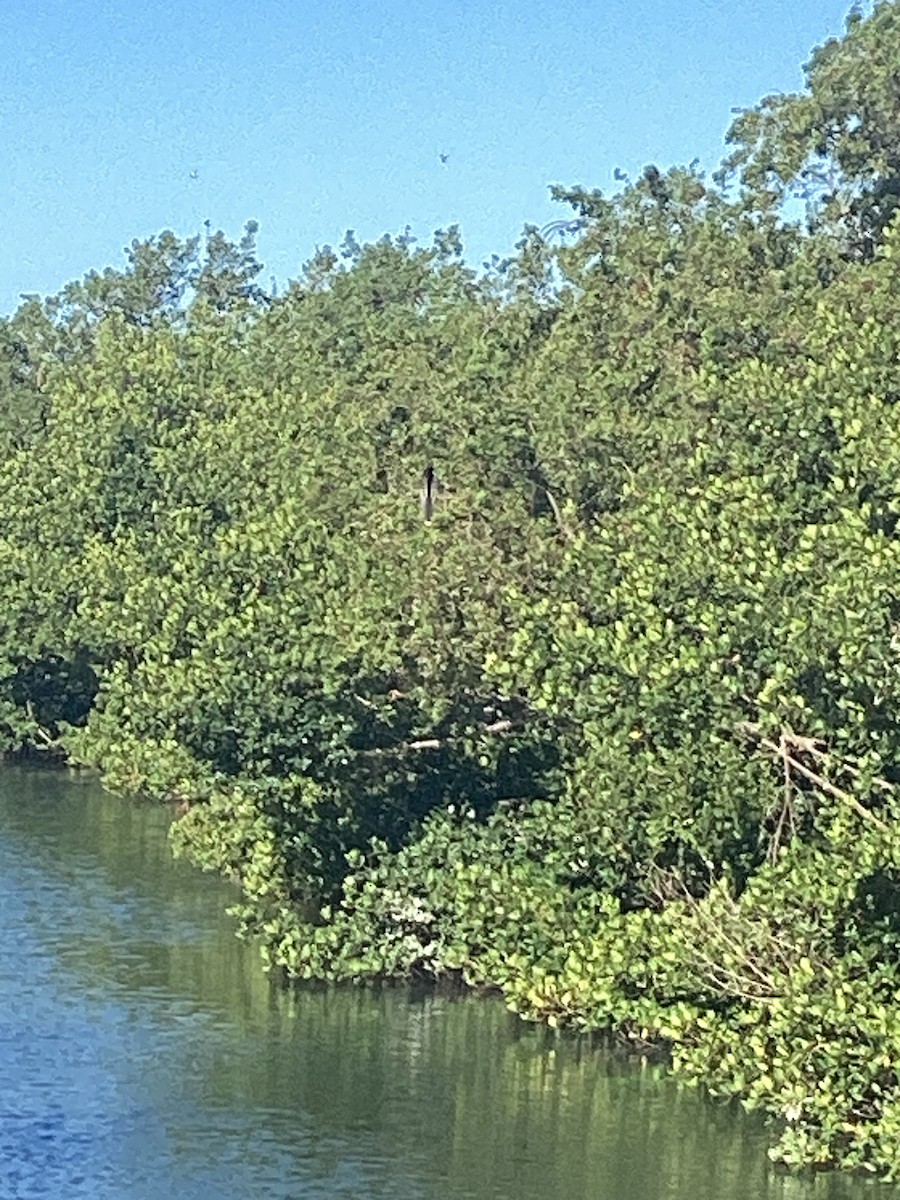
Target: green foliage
[[616, 732], [838, 143]]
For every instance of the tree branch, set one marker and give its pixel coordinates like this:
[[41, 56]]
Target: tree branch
[[811, 746], [497, 727], [557, 513]]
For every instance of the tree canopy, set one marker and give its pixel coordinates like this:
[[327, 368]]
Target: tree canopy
[[616, 730]]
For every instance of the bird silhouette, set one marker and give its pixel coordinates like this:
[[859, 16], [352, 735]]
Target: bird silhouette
[[430, 487], [444, 157]]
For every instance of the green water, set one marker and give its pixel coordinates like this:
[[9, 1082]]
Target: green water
[[144, 1054]]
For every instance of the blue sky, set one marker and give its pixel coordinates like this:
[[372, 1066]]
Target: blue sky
[[315, 116]]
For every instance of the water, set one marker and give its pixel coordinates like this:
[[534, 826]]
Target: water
[[144, 1055]]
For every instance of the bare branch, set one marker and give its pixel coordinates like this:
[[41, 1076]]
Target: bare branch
[[496, 727], [811, 746], [564, 529]]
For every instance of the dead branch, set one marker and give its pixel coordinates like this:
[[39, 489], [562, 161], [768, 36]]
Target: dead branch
[[496, 727], [729, 954], [791, 741], [785, 815], [564, 529], [40, 733]]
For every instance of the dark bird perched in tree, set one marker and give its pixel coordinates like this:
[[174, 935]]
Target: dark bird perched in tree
[[430, 485]]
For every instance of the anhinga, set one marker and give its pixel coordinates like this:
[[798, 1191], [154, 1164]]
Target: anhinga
[[430, 485]]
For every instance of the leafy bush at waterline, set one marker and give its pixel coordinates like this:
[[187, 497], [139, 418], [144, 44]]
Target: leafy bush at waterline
[[616, 731]]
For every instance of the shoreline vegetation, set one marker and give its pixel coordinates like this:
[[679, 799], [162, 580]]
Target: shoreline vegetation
[[614, 727]]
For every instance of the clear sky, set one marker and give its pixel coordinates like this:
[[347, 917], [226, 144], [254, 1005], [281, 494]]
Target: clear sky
[[120, 118]]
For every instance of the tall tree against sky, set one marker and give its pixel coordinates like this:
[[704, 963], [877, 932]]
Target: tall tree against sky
[[837, 143]]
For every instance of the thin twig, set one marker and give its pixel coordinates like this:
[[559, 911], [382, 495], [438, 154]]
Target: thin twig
[[557, 513], [756, 953], [787, 807]]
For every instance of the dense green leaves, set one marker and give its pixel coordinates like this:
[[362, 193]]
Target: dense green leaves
[[616, 730]]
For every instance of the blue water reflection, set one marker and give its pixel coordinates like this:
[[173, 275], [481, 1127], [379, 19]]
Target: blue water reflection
[[145, 1056]]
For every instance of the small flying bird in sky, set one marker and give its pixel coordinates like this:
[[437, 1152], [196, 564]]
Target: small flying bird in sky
[[444, 157], [194, 175]]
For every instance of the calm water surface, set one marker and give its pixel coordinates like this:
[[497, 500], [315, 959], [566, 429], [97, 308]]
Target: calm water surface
[[144, 1054]]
